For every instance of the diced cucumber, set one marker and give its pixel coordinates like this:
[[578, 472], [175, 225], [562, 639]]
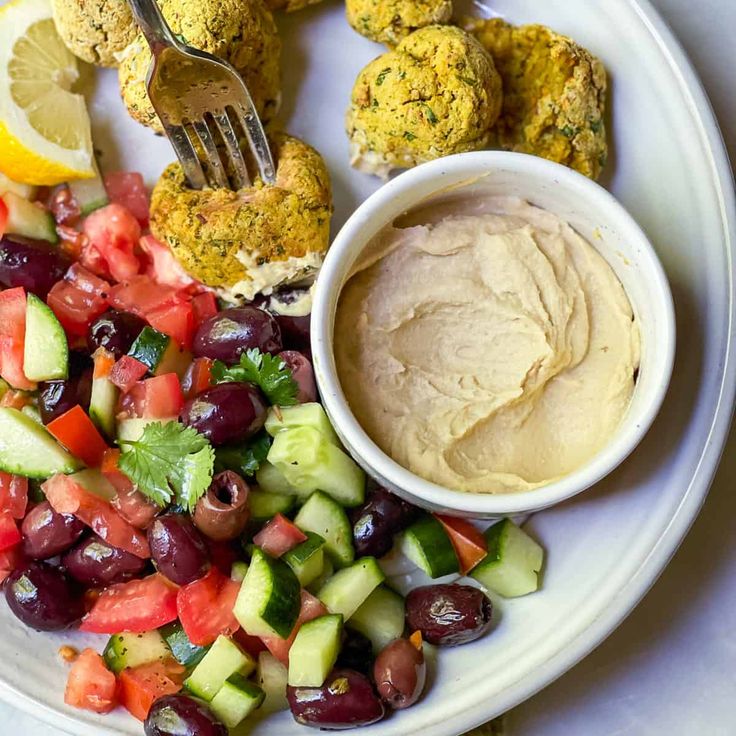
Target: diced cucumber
[[27, 448], [27, 191], [269, 600], [271, 676], [309, 462], [513, 563], [32, 412], [302, 415], [307, 559], [89, 194], [132, 429], [92, 480], [380, 618], [272, 480], [223, 660], [238, 571], [265, 505], [131, 650], [102, 403], [236, 700], [46, 351], [27, 219], [314, 651], [328, 570], [349, 588], [324, 516], [182, 649], [160, 353], [427, 545]]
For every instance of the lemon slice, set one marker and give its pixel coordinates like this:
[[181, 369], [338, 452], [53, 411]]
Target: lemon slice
[[44, 127]]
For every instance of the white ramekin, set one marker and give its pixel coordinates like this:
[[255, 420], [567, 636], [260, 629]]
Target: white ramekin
[[598, 217]]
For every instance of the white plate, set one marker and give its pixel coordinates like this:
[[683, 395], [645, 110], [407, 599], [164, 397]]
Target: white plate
[[670, 170]]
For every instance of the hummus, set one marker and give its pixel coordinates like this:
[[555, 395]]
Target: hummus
[[488, 352]]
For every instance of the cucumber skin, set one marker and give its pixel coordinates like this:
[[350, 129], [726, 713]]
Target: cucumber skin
[[184, 652], [236, 700], [306, 559], [322, 515], [120, 651], [428, 534], [150, 347], [211, 675]]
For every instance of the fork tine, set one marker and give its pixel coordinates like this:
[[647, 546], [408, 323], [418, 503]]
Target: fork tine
[[187, 155], [228, 134], [212, 155], [253, 128]]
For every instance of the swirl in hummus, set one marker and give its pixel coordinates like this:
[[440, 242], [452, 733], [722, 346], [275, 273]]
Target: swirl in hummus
[[490, 352]]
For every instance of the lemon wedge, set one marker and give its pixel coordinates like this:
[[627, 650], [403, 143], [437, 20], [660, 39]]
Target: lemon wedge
[[45, 133]]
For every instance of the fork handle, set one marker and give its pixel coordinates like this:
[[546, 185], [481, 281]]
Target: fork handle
[[152, 23]]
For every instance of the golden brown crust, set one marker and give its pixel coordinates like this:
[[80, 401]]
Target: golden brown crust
[[389, 21], [289, 6]]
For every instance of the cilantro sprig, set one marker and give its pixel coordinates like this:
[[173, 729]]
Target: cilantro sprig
[[269, 372], [170, 462]]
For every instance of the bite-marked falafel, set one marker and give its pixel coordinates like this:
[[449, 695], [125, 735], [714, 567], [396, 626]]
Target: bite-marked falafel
[[436, 93], [241, 32], [554, 94], [245, 242], [95, 30], [388, 21]]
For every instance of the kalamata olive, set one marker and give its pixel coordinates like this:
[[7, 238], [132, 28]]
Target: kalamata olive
[[131, 504], [115, 331], [222, 513], [57, 397], [178, 549], [42, 597], [33, 264], [64, 207], [227, 412], [180, 715], [291, 307], [356, 652], [346, 700], [303, 373], [226, 335], [448, 614], [377, 520], [47, 534], [399, 673], [95, 563]]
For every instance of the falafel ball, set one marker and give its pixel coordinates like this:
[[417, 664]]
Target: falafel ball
[[554, 94], [388, 21], [95, 30], [437, 93], [242, 32], [245, 242], [289, 6]]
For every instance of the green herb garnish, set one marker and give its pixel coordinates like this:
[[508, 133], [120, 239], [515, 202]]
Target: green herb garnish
[[430, 114], [244, 458], [382, 75], [409, 136], [468, 80]]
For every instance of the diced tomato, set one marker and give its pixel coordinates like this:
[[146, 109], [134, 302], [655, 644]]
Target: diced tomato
[[303, 374], [9, 532], [90, 684], [12, 337], [127, 372], [159, 397], [163, 268], [68, 497], [198, 377], [175, 320], [137, 606], [470, 545], [205, 607], [3, 217], [86, 281], [279, 536], [13, 399], [13, 494], [141, 686], [78, 299], [311, 608], [127, 188], [204, 306], [113, 234], [141, 296], [77, 432], [104, 360], [10, 559]]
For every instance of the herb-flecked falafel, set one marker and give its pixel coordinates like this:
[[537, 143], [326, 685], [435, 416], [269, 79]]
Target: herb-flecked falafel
[[242, 32], [436, 93], [388, 21], [245, 242], [554, 94]]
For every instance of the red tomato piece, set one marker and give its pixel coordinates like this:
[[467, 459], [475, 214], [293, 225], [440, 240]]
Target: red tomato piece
[[126, 372], [140, 296], [13, 336], [204, 306], [68, 497], [13, 494], [205, 607], [159, 397], [137, 606], [141, 686], [163, 268], [311, 608], [128, 189], [90, 684], [78, 299], [112, 236], [175, 320], [198, 377], [77, 432], [470, 545], [9, 533], [279, 536], [10, 559]]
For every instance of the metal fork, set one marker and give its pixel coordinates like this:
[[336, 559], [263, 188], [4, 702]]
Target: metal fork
[[204, 107]]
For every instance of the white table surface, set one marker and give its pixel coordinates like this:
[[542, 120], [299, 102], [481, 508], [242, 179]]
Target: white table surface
[[670, 669]]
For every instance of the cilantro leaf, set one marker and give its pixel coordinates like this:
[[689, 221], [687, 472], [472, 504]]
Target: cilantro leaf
[[169, 462], [244, 458], [268, 372]]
